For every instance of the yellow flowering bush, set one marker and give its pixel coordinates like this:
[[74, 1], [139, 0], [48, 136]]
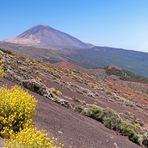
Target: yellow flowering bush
[[1, 62], [55, 92], [29, 138], [2, 73], [58, 93], [38, 79], [16, 109]]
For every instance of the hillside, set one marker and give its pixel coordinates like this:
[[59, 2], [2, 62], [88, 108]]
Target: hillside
[[64, 92], [136, 62]]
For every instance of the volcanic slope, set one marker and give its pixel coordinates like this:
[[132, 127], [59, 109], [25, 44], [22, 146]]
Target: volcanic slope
[[59, 90]]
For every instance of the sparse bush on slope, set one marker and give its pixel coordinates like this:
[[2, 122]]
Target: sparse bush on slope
[[145, 139], [113, 121], [129, 130], [93, 112]]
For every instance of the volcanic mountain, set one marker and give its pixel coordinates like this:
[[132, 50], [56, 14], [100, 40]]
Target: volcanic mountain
[[44, 36]]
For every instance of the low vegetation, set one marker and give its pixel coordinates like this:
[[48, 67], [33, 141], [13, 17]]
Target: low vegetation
[[113, 121]]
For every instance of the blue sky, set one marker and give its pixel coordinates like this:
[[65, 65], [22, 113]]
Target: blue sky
[[116, 23]]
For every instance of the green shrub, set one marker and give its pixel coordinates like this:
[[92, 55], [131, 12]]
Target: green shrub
[[111, 120], [145, 139], [93, 112], [129, 130], [16, 109], [78, 108]]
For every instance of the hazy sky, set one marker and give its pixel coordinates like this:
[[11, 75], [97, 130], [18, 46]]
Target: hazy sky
[[116, 23]]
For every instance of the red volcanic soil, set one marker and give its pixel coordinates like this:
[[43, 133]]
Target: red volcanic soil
[[65, 64], [135, 96]]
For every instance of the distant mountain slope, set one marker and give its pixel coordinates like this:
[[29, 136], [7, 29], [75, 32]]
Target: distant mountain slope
[[46, 37], [134, 61]]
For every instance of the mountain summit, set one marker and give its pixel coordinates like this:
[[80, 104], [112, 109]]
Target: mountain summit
[[44, 36]]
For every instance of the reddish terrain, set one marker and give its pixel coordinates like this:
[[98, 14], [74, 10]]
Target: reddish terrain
[[65, 64], [134, 95]]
